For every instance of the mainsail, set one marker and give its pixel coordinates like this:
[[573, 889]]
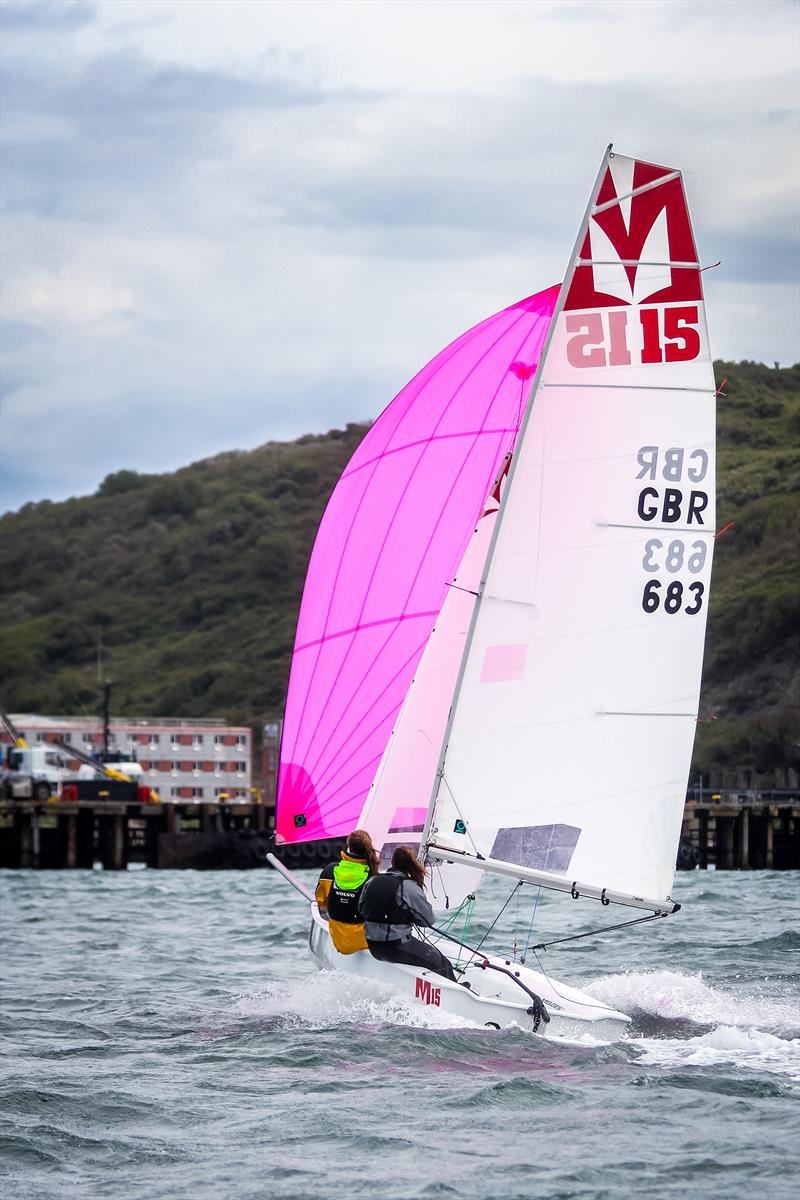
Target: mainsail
[[568, 750], [391, 539]]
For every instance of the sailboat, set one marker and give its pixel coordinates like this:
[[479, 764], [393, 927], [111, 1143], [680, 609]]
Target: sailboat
[[500, 643]]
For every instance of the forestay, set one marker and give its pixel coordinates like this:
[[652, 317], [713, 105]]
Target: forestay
[[570, 742]]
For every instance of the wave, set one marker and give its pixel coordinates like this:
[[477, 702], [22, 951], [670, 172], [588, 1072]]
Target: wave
[[674, 997], [788, 940], [336, 999], [751, 1049], [679, 1020]]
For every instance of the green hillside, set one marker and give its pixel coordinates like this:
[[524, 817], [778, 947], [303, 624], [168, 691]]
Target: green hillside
[[190, 582]]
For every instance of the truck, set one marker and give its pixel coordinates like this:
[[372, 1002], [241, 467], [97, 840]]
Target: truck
[[30, 772]]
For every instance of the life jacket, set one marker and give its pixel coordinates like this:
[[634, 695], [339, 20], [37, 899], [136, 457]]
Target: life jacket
[[349, 877], [382, 902]]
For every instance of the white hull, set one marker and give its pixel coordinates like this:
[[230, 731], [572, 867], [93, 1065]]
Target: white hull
[[493, 998]]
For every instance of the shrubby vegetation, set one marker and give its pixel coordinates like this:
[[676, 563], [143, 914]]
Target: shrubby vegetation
[[751, 677], [190, 583]]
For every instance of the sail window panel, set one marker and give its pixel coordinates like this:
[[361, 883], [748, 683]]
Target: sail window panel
[[540, 847]]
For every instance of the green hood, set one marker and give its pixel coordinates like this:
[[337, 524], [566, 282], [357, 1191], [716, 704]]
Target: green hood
[[349, 875]]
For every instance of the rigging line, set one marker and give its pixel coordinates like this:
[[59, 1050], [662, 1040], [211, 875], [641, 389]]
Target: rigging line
[[573, 937], [516, 923], [444, 892], [533, 914], [475, 950], [513, 892], [457, 588]]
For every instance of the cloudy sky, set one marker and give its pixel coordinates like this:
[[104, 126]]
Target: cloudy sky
[[228, 223]]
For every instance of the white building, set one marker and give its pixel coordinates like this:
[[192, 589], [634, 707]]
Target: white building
[[181, 759]]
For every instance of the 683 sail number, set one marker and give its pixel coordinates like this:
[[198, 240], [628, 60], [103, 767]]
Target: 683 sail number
[[673, 555], [675, 599]]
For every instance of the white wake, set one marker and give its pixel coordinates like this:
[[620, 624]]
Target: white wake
[[751, 1031], [329, 998]]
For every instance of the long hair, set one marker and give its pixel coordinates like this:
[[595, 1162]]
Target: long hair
[[404, 859], [359, 845]]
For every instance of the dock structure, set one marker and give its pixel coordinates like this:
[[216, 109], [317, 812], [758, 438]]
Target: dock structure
[[114, 833], [743, 830], [726, 830]]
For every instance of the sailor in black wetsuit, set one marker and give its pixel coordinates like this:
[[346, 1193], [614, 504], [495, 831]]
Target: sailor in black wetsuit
[[390, 906]]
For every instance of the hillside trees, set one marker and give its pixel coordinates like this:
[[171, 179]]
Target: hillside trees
[[186, 586]]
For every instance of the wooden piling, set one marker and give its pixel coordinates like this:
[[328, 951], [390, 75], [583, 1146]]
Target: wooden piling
[[744, 839], [112, 840], [26, 829], [71, 856]]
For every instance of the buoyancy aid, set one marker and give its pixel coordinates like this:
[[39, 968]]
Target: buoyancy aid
[[382, 902], [349, 876]]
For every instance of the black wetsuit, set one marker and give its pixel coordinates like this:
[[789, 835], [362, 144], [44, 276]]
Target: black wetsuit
[[390, 906]]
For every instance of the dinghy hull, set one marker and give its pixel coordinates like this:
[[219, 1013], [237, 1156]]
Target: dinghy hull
[[494, 998]]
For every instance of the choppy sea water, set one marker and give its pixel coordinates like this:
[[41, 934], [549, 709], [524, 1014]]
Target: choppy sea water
[[166, 1035]]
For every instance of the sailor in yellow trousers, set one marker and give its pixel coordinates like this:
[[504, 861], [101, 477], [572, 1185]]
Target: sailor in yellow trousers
[[339, 889]]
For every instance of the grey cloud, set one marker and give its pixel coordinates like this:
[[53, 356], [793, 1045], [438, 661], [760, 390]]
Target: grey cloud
[[18, 335], [712, 16], [45, 16], [289, 261], [754, 257], [83, 138]]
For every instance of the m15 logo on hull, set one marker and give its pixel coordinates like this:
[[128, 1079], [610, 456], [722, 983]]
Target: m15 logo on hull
[[426, 993]]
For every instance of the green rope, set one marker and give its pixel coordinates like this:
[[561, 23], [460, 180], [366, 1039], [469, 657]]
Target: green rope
[[466, 907], [469, 904]]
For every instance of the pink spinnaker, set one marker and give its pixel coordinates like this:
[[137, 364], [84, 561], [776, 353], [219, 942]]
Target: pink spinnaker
[[391, 539]]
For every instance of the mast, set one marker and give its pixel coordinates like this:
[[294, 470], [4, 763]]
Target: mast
[[563, 292]]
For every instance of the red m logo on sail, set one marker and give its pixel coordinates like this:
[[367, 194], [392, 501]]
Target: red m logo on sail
[[633, 239]]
